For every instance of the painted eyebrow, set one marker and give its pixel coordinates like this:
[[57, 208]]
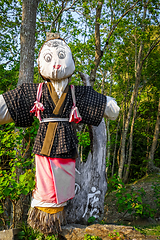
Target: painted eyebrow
[[63, 44], [60, 47], [46, 50]]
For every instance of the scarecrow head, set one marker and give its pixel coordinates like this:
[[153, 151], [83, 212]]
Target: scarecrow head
[[55, 60]]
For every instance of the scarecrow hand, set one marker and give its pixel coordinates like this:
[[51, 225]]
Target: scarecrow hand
[[5, 116], [112, 109]]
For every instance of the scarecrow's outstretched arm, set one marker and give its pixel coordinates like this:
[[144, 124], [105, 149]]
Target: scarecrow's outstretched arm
[[5, 116], [112, 109]]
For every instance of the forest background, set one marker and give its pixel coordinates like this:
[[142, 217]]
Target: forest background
[[117, 44]]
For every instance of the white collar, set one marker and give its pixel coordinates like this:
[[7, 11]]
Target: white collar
[[60, 86]]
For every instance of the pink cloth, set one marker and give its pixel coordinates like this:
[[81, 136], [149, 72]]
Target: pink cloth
[[55, 179], [37, 105], [74, 114]]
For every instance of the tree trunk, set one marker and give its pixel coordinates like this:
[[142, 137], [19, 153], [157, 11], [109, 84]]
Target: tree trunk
[[151, 166], [115, 146], [130, 144], [108, 147], [98, 52], [27, 38], [14, 214], [26, 72], [138, 69], [91, 184], [124, 134], [108, 132]]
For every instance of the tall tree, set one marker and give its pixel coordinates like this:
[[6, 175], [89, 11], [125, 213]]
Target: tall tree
[[140, 58], [26, 70], [151, 165], [27, 37]]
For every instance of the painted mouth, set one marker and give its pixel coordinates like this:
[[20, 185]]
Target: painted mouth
[[56, 66]]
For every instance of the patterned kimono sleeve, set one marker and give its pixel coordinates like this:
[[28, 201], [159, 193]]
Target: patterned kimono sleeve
[[19, 102], [91, 105]]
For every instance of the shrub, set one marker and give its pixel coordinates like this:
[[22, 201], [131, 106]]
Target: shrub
[[132, 203]]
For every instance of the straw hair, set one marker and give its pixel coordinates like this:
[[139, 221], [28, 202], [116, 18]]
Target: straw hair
[[50, 35]]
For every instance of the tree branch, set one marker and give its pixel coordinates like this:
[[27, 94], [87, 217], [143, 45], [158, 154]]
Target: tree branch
[[99, 53], [149, 51], [66, 9], [116, 24], [60, 12]]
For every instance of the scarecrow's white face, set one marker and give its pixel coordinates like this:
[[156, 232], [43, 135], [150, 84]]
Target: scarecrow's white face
[[55, 60]]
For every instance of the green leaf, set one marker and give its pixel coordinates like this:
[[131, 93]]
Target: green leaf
[[21, 178], [6, 191]]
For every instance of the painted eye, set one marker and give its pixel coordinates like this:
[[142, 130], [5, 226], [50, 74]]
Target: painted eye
[[62, 54], [48, 57]]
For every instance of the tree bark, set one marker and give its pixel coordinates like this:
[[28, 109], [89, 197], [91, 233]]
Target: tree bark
[[130, 144], [108, 147], [26, 73], [124, 134], [91, 184], [108, 132], [98, 53], [27, 39], [115, 146], [151, 166]]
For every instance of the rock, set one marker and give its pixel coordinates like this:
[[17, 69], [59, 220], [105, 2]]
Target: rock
[[9, 234], [105, 232]]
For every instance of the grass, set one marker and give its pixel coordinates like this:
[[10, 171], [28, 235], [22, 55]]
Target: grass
[[150, 230]]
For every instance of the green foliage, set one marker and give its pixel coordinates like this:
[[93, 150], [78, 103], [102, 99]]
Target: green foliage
[[10, 20], [14, 144], [8, 78], [156, 189], [132, 202], [84, 142], [83, 138], [88, 237], [91, 220], [114, 183], [51, 237], [115, 235], [102, 222], [27, 233], [17, 172], [13, 186], [151, 230]]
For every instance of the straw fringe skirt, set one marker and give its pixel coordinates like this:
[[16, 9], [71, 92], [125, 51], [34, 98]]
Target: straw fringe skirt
[[45, 222]]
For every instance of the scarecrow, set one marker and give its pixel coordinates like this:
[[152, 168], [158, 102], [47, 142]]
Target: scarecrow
[[57, 106]]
